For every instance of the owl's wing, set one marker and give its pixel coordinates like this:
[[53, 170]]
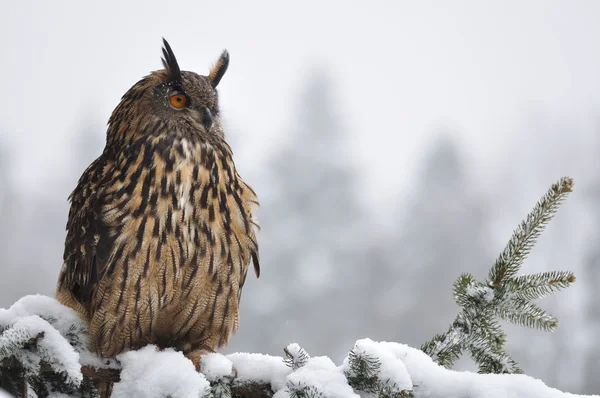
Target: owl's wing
[[88, 241]]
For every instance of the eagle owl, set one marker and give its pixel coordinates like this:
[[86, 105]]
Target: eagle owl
[[161, 230]]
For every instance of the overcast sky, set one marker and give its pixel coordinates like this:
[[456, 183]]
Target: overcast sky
[[402, 70], [516, 82]]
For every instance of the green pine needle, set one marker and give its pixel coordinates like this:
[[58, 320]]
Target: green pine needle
[[531, 287], [13, 340], [524, 237], [363, 372], [304, 391], [528, 314], [503, 295]]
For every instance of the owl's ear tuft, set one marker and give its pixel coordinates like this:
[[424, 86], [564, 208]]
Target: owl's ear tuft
[[219, 69], [170, 63]]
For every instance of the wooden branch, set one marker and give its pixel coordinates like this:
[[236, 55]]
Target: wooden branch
[[12, 380]]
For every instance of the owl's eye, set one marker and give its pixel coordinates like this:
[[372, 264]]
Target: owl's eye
[[178, 101]]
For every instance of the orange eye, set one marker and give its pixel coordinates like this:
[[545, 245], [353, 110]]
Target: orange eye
[[178, 100]]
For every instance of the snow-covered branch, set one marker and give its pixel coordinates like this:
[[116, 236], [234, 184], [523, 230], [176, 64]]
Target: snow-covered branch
[[372, 369]]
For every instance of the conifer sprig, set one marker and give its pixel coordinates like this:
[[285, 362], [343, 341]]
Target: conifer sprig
[[508, 263], [12, 340], [363, 372], [529, 287], [300, 391], [364, 376], [503, 295], [295, 356]]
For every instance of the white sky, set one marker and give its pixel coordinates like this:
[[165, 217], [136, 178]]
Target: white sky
[[500, 74], [402, 70]]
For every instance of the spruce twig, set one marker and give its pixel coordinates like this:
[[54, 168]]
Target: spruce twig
[[12, 340], [363, 372], [363, 375], [503, 295], [508, 263], [300, 391], [295, 356]]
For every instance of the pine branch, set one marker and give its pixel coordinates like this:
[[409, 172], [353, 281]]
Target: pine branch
[[524, 237], [503, 295], [363, 372], [298, 391], [295, 356], [221, 389], [531, 287], [107, 376], [13, 340], [468, 291], [445, 349], [528, 314], [494, 362]]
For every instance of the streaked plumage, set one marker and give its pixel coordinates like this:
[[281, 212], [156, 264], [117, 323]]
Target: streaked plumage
[[161, 233]]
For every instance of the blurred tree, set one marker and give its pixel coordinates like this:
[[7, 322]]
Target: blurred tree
[[6, 193], [40, 237], [311, 239], [442, 233], [8, 227], [591, 271]]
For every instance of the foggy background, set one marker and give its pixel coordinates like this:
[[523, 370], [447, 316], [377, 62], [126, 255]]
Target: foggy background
[[392, 145]]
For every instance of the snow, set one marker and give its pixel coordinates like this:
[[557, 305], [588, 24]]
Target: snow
[[52, 347], [151, 373], [431, 380], [59, 318], [296, 356], [484, 293], [21, 321], [392, 371], [260, 368], [321, 373], [62, 317], [87, 358], [4, 394], [215, 366]]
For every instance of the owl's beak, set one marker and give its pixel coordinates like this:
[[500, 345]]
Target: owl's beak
[[207, 118]]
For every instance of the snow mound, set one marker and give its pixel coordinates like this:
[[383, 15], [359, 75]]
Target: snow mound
[[216, 366], [319, 374], [260, 368], [21, 323], [63, 318], [156, 374], [61, 340], [431, 380], [392, 372]]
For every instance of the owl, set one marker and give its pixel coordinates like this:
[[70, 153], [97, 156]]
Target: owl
[[161, 230]]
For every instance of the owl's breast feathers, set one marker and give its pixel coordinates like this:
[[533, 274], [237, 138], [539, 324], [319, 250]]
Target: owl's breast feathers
[[160, 237]]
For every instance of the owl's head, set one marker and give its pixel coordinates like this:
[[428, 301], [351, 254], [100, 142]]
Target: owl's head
[[170, 100]]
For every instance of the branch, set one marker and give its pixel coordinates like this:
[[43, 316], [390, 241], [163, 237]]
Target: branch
[[11, 379], [503, 295]]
